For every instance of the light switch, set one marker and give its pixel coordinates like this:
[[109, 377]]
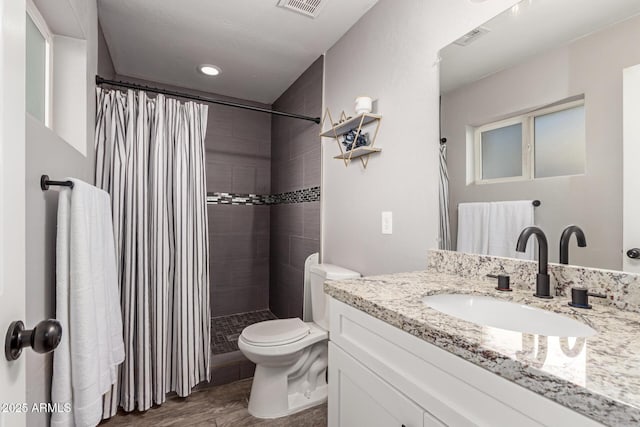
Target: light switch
[[387, 222]]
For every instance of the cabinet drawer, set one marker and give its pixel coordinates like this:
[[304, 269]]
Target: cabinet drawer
[[358, 397]]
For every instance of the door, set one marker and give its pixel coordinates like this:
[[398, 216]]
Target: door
[[631, 173], [358, 397], [12, 203]]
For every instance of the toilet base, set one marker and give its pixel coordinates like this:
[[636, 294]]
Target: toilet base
[[278, 391], [297, 402]]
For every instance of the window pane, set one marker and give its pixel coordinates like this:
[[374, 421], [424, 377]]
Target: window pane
[[560, 143], [502, 152], [36, 62]]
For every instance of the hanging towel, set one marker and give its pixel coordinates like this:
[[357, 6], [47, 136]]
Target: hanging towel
[[473, 228], [506, 222], [85, 365]]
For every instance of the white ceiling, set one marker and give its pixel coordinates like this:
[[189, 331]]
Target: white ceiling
[[534, 27], [261, 48]]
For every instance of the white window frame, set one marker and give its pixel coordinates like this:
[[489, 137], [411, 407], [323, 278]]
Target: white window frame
[[528, 142], [42, 26], [477, 136]]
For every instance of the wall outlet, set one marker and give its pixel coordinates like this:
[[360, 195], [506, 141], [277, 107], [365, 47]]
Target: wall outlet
[[387, 222]]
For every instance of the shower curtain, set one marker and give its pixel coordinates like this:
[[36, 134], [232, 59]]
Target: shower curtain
[[445, 232], [150, 157]]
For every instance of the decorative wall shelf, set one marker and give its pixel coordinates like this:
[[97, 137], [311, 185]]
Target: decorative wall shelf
[[348, 124], [358, 152]]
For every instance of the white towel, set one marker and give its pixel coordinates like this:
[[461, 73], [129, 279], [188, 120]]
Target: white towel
[[473, 228], [87, 305], [506, 221]]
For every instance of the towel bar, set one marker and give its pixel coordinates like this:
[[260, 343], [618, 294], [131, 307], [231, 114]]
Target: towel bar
[[45, 182], [535, 203]]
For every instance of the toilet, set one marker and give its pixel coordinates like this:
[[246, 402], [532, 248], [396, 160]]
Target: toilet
[[290, 354]]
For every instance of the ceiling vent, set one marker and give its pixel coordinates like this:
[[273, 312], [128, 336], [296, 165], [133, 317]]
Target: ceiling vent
[[471, 36], [310, 8]]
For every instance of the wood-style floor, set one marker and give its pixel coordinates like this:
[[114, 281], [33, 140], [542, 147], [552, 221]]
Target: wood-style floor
[[220, 406]]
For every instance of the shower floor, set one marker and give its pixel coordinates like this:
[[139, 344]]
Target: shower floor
[[225, 330]]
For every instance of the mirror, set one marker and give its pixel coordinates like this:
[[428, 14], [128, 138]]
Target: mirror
[[531, 109]]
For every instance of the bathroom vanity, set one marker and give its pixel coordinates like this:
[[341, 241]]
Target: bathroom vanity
[[396, 361]]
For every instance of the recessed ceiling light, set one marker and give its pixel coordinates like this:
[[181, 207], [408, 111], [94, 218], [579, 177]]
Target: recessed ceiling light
[[209, 70]]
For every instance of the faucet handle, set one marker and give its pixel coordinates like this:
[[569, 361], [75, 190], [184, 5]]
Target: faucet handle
[[580, 297], [503, 282]]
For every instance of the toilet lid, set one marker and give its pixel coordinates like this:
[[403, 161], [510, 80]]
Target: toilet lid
[[275, 332]]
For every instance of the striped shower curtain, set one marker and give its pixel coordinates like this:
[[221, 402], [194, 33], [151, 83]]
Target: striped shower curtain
[[150, 157], [445, 232]]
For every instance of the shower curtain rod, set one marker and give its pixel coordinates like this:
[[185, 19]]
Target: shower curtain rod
[[103, 81]]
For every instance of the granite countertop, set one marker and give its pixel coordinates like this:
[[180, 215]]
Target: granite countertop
[[598, 376]]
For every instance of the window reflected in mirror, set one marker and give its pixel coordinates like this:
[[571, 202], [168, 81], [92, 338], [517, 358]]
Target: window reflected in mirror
[[544, 143]]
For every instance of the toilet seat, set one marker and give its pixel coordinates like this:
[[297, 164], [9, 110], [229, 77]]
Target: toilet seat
[[316, 334], [275, 332]]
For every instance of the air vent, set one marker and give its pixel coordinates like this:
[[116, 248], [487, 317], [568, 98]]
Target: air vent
[[471, 36], [310, 8]]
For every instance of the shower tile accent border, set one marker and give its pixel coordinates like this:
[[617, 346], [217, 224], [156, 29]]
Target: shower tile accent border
[[236, 199], [311, 194], [622, 289]]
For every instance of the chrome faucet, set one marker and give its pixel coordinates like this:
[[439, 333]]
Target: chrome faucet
[[543, 289], [564, 241]]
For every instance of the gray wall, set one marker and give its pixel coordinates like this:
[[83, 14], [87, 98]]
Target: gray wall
[[295, 164], [105, 63], [588, 66], [47, 153], [391, 54], [238, 144]]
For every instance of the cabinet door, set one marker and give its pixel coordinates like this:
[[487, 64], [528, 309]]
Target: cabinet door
[[358, 397], [431, 421]]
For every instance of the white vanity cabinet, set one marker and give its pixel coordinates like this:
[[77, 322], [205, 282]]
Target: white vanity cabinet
[[382, 376]]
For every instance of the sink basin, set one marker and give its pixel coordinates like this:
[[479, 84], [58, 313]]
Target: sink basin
[[488, 311]]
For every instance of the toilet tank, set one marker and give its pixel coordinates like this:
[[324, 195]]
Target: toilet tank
[[319, 300]]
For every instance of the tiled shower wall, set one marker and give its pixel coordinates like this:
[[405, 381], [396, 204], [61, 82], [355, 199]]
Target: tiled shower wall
[[238, 161], [295, 165]]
